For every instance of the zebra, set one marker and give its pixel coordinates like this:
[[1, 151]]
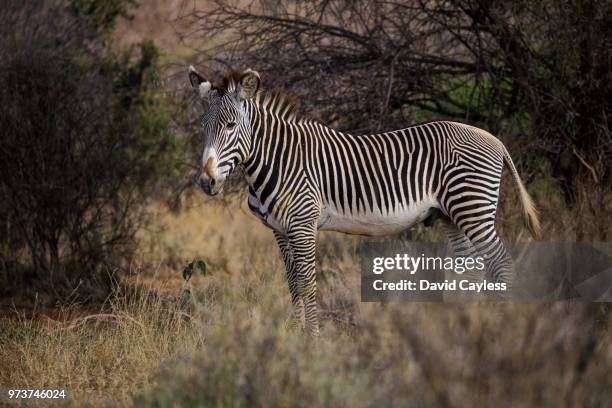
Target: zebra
[[304, 176]]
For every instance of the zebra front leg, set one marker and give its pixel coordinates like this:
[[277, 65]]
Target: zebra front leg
[[291, 271], [302, 241]]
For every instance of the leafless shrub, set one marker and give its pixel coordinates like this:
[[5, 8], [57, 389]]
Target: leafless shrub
[[535, 72]]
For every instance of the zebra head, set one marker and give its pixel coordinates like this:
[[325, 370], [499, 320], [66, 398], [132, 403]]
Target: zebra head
[[226, 125]]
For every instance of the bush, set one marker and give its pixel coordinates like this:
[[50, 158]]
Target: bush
[[80, 152], [534, 72]]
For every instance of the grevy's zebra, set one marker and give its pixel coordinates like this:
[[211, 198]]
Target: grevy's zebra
[[305, 176]]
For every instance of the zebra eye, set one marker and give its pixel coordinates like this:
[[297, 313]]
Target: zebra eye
[[230, 126]]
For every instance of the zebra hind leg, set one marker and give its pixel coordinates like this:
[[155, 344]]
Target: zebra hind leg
[[477, 222], [470, 201], [462, 248], [291, 271], [488, 244]]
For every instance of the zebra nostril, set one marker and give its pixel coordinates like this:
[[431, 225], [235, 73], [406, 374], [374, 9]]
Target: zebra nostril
[[212, 182]]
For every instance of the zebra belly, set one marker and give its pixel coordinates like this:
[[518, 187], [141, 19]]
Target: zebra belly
[[376, 223]]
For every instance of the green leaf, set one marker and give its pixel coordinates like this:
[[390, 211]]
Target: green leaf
[[188, 271], [196, 263], [200, 264]]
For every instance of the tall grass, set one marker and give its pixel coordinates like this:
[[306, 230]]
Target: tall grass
[[98, 357], [394, 355], [399, 354], [230, 343]]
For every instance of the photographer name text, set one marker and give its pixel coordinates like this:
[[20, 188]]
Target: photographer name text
[[411, 265]]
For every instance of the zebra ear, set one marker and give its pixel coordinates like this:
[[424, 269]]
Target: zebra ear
[[249, 84], [198, 82]]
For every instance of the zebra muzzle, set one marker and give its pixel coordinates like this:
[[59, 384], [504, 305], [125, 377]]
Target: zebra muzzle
[[210, 186], [208, 180]]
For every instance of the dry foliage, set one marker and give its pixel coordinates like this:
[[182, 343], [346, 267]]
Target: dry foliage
[[535, 72], [231, 343]]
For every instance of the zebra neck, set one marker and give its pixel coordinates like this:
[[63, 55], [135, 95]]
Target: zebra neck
[[283, 150], [269, 140], [280, 146]]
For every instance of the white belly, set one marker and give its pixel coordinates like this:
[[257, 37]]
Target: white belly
[[376, 224]]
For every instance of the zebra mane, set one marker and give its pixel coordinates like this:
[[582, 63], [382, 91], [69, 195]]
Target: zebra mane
[[230, 80], [279, 102]]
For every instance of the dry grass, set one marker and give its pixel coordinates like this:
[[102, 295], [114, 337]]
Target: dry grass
[[96, 357], [230, 342]]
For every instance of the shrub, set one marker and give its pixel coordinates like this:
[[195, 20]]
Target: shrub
[[84, 140], [534, 72]]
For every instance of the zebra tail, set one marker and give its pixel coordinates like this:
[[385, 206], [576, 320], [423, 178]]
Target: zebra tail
[[530, 212]]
